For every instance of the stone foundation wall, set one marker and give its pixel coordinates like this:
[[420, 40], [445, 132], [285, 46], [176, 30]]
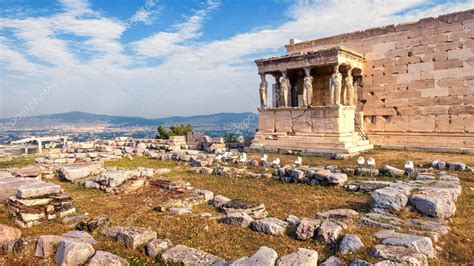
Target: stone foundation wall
[[301, 121], [418, 81]]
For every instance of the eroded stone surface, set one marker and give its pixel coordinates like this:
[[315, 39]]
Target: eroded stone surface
[[271, 226], [302, 257], [37, 190], [184, 255], [237, 219], [8, 233], [389, 198], [134, 237], [434, 203], [306, 228], [71, 252], [328, 232], [350, 244], [102, 258], [264, 256], [399, 254], [157, 246]]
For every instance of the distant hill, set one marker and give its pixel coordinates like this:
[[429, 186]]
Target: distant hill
[[219, 121]]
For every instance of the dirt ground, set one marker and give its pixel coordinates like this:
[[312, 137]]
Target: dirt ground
[[280, 199]]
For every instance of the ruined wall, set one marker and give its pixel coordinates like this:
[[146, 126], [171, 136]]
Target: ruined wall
[[418, 81]]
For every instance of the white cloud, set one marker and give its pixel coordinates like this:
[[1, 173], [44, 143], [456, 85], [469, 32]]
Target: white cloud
[[166, 43]]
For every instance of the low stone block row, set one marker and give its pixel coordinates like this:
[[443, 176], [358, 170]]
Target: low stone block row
[[71, 248], [430, 195], [37, 202]]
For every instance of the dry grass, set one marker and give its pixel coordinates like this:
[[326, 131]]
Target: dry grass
[[280, 199]]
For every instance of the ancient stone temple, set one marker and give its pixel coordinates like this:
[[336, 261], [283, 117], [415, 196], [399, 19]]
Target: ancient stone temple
[[406, 86]]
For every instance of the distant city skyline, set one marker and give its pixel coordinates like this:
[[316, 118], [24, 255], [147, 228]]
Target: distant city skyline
[[155, 59]]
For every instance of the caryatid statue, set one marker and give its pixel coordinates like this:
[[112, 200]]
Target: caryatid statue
[[263, 91], [307, 87], [335, 85], [277, 97], [349, 88], [285, 88]]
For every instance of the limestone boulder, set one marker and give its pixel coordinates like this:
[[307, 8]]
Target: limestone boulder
[[219, 201], [457, 166], [420, 244], [434, 203], [389, 198], [345, 215], [306, 228], [264, 256], [102, 258], [133, 237], [253, 209], [46, 244], [180, 210], [328, 232], [8, 233], [29, 171], [70, 252], [237, 219], [297, 175], [435, 225], [327, 177], [93, 224], [157, 246], [271, 226], [183, 255], [388, 170], [399, 254], [82, 236], [332, 261], [36, 190], [350, 244], [73, 173], [207, 194], [371, 185], [302, 257]]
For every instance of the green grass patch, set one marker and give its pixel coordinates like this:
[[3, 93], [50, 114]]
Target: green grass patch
[[18, 161]]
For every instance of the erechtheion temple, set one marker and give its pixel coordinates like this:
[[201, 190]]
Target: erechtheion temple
[[406, 86]]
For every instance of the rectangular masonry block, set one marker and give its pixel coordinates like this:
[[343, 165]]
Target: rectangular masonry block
[[435, 92], [446, 64]]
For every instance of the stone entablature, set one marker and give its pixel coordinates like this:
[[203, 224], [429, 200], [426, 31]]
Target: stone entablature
[[332, 56]]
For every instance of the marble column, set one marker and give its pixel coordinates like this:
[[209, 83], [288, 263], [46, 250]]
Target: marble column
[[335, 85], [285, 88], [307, 87], [40, 146], [263, 91]]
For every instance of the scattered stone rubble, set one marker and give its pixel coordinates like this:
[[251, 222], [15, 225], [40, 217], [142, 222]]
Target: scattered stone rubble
[[405, 241], [40, 201]]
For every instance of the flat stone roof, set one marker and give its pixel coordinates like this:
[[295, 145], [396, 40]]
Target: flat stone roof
[[335, 55]]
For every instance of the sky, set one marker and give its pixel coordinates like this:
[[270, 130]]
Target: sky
[[160, 58]]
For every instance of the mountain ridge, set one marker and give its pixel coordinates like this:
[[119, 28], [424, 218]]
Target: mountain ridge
[[77, 117]]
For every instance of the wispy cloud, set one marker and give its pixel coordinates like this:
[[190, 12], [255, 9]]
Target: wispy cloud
[[167, 42]]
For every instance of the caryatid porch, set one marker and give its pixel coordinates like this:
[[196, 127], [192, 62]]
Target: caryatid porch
[[313, 103]]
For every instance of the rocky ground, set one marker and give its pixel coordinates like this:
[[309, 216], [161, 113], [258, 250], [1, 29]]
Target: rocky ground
[[185, 209]]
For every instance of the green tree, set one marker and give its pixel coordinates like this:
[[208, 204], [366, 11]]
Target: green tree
[[230, 138], [175, 130]]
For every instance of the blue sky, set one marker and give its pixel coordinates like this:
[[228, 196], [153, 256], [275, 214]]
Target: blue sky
[[157, 58]]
